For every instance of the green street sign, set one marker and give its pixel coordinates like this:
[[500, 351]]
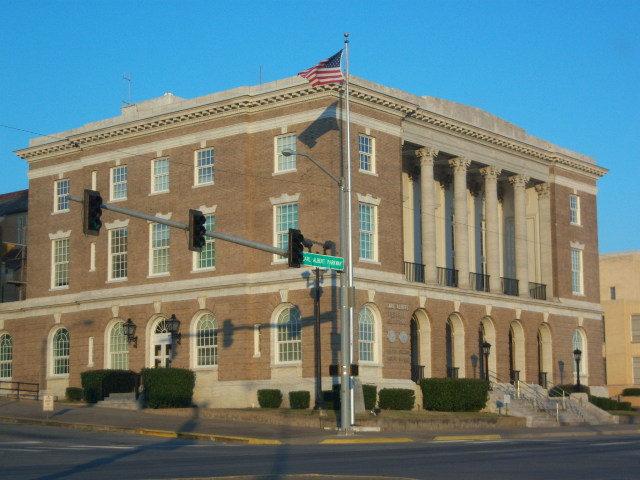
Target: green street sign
[[323, 261]]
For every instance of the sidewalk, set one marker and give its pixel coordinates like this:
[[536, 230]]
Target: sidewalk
[[192, 424]]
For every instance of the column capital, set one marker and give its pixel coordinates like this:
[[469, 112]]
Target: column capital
[[459, 164], [543, 189], [490, 172], [519, 180], [427, 155]]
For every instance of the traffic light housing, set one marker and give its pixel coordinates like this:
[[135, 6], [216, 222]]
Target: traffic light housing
[[296, 248], [92, 211], [197, 230]]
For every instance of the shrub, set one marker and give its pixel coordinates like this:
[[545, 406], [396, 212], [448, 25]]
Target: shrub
[[631, 392], [74, 394], [397, 399], [168, 387], [569, 388], [454, 394], [609, 404], [370, 393], [299, 400], [97, 384], [269, 398]]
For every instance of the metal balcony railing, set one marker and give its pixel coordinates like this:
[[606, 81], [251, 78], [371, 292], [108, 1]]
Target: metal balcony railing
[[417, 373], [479, 282], [510, 286], [538, 291], [414, 272], [447, 276]]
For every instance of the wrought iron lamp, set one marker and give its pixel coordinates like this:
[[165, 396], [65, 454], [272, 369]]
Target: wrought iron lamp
[[577, 356], [173, 325], [486, 348], [129, 329]]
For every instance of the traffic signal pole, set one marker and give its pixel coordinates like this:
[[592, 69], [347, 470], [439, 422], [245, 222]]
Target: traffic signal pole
[[185, 226]]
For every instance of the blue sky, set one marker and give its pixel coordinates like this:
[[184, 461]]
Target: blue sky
[[566, 71]]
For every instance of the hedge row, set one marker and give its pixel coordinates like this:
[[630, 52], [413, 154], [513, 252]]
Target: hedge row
[[168, 387], [609, 404], [454, 394], [97, 384]]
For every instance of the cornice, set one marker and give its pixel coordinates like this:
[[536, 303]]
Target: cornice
[[250, 104]]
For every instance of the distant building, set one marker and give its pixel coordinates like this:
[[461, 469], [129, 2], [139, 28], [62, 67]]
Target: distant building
[[466, 230], [13, 245], [620, 294]]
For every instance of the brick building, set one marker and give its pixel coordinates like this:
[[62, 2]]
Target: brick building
[[466, 230]]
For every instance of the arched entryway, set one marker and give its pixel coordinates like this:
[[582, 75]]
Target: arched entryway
[[420, 346], [545, 356], [517, 352], [455, 347]]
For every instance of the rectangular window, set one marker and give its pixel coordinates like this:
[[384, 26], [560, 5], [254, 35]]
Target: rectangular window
[[574, 209], [286, 218], [160, 175], [204, 167], [61, 196], [207, 258], [119, 183], [635, 327], [367, 214], [576, 271], [119, 240], [284, 163], [159, 249], [612, 291], [61, 262], [636, 370], [366, 153]]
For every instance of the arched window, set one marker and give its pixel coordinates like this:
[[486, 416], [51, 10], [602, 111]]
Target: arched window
[[579, 343], [6, 355], [289, 335], [366, 335], [206, 341], [60, 352], [118, 348]]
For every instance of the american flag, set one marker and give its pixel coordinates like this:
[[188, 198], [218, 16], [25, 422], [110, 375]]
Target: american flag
[[326, 72]]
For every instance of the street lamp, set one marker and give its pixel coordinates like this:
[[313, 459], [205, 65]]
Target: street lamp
[[577, 355], [173, 325], [486, 348], [346, 287], [129, 330]]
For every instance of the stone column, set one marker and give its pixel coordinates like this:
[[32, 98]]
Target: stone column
[[544, 211], [427, 212], [461, 219], [519, 183], [492, 251]]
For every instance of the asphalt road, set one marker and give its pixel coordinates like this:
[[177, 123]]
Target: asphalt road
[[37, 452]]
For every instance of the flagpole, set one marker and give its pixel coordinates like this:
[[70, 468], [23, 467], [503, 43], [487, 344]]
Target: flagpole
[[348, 406]]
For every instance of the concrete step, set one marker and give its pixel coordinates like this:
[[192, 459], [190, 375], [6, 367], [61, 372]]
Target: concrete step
[[124, 401]]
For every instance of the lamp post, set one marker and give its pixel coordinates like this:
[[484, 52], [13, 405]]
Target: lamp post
[[577, 356], [346, 288], [486, 348], [129, 330]]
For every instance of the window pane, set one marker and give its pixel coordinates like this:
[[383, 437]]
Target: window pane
[[289, 336], [204, 166], [61, 262], [61, 352], [366, 335], [286, 218], [207, 341], [285, 163], [635, 328], [119, 257], [119, 182], [119, 348], [161, 175], [207, 258], [367, 232], [365, 152], [62, 195], [160, 248], [6, 356]]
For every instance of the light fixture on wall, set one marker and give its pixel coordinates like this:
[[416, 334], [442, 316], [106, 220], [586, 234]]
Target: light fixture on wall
[[486, 348], [129, 329], [173, 325], [577, 356]]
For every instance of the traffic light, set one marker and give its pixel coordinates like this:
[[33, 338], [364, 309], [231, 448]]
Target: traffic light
[[92, 211], [197, 230], [296, 248]]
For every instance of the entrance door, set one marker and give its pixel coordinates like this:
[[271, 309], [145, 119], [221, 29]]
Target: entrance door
[[162, 350]]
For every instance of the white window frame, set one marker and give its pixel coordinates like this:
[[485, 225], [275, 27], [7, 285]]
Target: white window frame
[[6, 356], [160, 175], [366, 153], [118, 254], [282, 225], [60, 263], [206, 341], [119, 182], [288, 339], [159, 249], [574, 209], [208, 253], [285, 164], [577, 272], [118, 347], [204, 167], [367, 335], [635, 327], [369, 234], [61, 192], [60, 352]]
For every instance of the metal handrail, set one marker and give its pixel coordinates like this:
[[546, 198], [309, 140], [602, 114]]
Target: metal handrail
[[19, 389], [526, 392]]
